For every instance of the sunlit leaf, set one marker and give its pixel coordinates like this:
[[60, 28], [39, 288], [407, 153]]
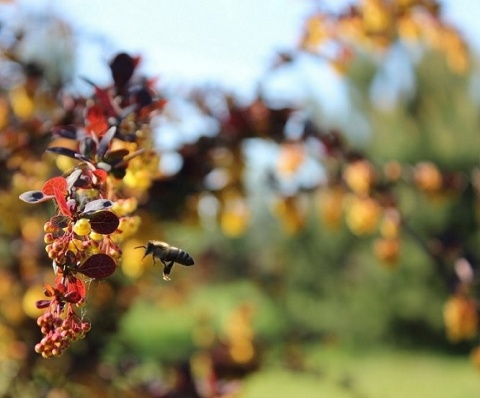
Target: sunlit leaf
[[62, 204], [102, 175], [34, 197], [73, 178], [98, 266], [97, 122], [105, 141], [104, 222], [55, 184], [78, 286], [57, 187], [96, 205], [104, 166]]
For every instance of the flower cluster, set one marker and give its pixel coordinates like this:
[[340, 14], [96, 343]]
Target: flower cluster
[[93, 215]]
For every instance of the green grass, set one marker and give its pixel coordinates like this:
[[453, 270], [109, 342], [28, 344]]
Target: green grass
[[164, 334], [338, 373]]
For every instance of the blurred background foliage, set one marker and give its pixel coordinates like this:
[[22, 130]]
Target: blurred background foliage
[[306, 281]]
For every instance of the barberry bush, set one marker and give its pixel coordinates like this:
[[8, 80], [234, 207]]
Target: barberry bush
[[94, 213], [86, 164]]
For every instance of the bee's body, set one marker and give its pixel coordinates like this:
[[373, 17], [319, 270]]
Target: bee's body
[[167, 254]]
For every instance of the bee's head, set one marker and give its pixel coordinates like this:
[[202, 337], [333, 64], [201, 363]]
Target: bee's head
[[148, 249]]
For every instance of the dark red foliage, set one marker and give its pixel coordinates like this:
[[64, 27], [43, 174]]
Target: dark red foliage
[[104, 222], [98, 266]]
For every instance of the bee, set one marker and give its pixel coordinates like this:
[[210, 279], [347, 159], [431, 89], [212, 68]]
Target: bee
[[167, 254]]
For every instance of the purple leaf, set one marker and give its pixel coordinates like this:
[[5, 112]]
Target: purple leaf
[[69, 131], [98, 266], [104, 222], [64, 151], [122, 67], [114, 157], [60, 221]]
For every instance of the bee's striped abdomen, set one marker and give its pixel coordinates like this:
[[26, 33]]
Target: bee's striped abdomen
[[181, 257]]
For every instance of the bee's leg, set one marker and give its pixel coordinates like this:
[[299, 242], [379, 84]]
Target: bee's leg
[[153, 257], [167, 268]]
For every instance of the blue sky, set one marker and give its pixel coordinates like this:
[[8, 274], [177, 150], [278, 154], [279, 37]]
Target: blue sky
[[227, 41]]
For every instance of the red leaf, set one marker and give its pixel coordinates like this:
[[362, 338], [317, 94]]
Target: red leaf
[[62, 204], [78, 286], [102, 175], [97, 122], [106, 100], [104, 222], [98, 266], [49, 290], [55, 184], [72, 297], [156, 105]]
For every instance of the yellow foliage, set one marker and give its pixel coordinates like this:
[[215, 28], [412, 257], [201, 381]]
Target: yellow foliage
[[240, 335], [132, 264], [362, 215], [31, 296], [461, 318], [290, 213], [22, 104], [376, 15], [408, 28], [359, 176], [387, 250], [4, 113], [330, 206], [427, 177], [390, 223], [234, 217], [139, 179], [315, 32]]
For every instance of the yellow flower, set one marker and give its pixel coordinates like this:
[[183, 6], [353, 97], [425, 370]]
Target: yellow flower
[[82, 227]]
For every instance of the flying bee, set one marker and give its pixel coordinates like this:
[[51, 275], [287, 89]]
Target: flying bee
[[167, 254]]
